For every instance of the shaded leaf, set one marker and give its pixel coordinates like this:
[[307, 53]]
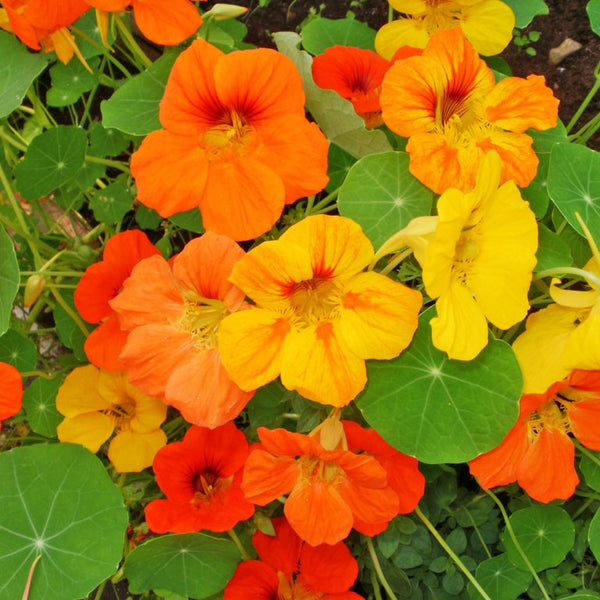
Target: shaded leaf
[[321, 34], [9, 279]]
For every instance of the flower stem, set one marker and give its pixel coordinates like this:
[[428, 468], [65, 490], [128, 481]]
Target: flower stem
[[130, 41], [378, 570], [236, 540]]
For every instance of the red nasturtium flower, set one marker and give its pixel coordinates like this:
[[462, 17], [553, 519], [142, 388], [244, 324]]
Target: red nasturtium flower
[[355, 74], [235, 143], [201, 478], [43, 24], [166, 23], [318, 316], [172, 311], [538, 452], [331, 489], [447, 103], [290, 569], [100, 283], [11, 391]]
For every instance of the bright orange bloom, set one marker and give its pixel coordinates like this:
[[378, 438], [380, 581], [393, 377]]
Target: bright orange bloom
[[44, 23], [201, 478], [235, 142], [100, 283], [166, 23], [355, 74], [538, 452], [11, 391], [290, 569], [447, 102], [331, 488], [318, 316], [172, 312]]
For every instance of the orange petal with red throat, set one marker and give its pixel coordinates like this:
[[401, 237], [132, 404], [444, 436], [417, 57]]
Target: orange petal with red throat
[[166, 23]]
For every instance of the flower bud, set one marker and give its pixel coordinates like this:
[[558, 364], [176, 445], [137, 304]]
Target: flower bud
[[221, 12], [33, 288]]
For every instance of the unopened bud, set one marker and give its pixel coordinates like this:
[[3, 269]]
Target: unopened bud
[[221, 12], [263, 523], [33, 288]]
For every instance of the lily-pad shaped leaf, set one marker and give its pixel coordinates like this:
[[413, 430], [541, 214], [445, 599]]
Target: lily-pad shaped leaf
[[106, 142], [58, 503], [545, 533], [593, 11], [574, 185], [594, 535], [16, 73], [9, 279], [441, 410], [133, 108], [552, 252], [87, 35], [52, 158], [591, 469], [18, 351], [339, 163], [500, 579], [382, 196], [70, 81], [335, 115], [112, 202], [321, 34], [525, 10], [39, 402], [194, 565]]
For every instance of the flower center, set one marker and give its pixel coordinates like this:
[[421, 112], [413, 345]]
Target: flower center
[[201, 318], [315, 300], [207, 484], [121, 414], [466, 252], [231, 133]]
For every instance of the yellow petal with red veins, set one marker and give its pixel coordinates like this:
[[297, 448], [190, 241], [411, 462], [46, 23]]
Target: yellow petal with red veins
[[378, 316], [79, 393], [320, 366], [403, 32], [90, 429], [488, 25], [132, 452]]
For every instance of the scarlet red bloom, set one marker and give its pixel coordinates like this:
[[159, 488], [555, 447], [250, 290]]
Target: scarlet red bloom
[[355, 74], [11, 391], [101, 283], [293, 570], [201, 478], [538, 452]]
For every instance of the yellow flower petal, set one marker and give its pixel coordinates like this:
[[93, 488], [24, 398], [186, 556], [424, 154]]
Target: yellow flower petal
[[488, 26], [582, 350], [149, 412], [131, 452], [79, 393], [90, 430], [409, 7], [403, 32]]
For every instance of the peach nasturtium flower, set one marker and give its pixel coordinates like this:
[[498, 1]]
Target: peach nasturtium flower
[[97, 403], [538, 452], [318, 316], [448, 104], [11, 391], [172, 311], [487, 24], [235, 143]]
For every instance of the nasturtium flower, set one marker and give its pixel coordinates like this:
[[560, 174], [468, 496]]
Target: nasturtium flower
[[201, 478], [538, 452], [11, 391], [172, 312], [447, 103], [97, 403], [487, 24], [290, 569], [235, 143], [100, 283], [166, 23], [331, 489], [355, 74], [44, 24], [317, 315]]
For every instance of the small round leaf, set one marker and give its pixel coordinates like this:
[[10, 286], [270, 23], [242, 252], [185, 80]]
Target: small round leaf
[[500, 579]]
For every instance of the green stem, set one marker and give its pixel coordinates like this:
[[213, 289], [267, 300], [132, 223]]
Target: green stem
[[378, 570], [459, 563], [557, 272], [375, 585], [130, 41], [325, 202], [12, 141], [309, 205], [586, 131], [236, 540], [74, 316], [585, 505], [513, 537], [105, 51], [584, 105], [115, 164], [478, 533], [586, 452], [395, 261], [100, 590]]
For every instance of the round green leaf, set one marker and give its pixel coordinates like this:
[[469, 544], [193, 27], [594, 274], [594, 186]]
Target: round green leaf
[[39, 402], [594, 535], [591, 469], [584, 595], [525, 10], [106, 142], [18, 351], [574, 185], [321, 34], [441, 410], [190, 220], [87, 35], [112, 202], [191, 564], [58, 502], [552, 252], [52, 158], [545, 533], [70, 81], [381, 195], [593, 11], [500, 579], [9, 279], [339, 163]]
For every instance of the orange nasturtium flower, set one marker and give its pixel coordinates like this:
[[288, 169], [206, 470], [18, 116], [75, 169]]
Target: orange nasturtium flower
[[290, 569], [201, 478], [355, 74], [235, 143], [538, 452], [97, 403], [487, 24], [318, 316], [11, 391], [100, 283], [166, 23], [172, 311], [44, 23], [447, 102], [331, 489]]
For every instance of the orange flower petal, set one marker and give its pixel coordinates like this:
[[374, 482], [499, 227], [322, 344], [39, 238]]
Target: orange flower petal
[[11, 391], [166, 23], [105, 343], [267, 477], [584, 417]]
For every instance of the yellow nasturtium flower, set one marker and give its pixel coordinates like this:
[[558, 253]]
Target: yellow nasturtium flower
[[487, 24], [97, 403]]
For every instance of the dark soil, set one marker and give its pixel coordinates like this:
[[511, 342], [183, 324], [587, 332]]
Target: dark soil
[[571, 80]]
